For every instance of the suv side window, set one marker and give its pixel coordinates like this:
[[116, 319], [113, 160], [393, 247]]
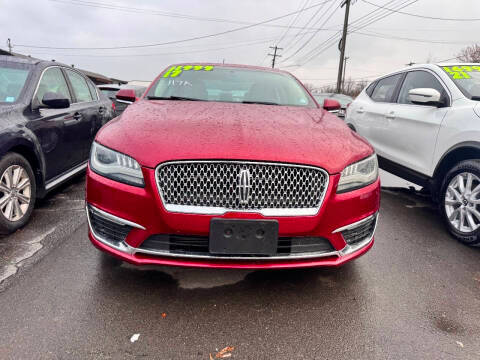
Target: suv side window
[[52, 81], [370, 88], [385, 88], [418, 79], [93, 90], [80, 87]]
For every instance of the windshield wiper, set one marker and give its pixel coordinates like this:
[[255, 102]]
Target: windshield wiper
[[260, 102], [172, 98], [476, 98]]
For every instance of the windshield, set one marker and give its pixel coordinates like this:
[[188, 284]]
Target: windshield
[[467, 79], [109, 92], [229, 84], [13, 77]]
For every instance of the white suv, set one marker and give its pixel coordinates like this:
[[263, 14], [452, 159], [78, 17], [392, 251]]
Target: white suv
[[424, 122]]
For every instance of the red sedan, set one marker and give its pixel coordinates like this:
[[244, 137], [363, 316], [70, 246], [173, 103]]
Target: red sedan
[[231, 166]]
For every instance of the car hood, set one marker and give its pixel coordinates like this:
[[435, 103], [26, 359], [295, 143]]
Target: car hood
[[8, 111], [153, 132]]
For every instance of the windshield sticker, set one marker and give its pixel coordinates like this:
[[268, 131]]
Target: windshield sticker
[[9, 99], [461, 72], [175, 82], [175, 71]]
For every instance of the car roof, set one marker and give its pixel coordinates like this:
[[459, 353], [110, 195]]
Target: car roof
[[429, 66], [29, 60], [19, 60]]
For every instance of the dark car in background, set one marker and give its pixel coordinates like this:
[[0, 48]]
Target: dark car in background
[[344, 101], [49, 116], [111, 90]]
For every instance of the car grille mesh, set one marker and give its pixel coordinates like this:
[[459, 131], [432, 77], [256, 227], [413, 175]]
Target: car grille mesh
[[107, 229], [216, 184], [361, 232]]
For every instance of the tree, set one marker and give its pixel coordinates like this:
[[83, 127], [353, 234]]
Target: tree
[[470, 54], [351, 87], [310, 87]]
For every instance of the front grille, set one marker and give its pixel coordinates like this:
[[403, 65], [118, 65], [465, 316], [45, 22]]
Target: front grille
[[203, 186], [361, 232], [106, 228], [198, 245]]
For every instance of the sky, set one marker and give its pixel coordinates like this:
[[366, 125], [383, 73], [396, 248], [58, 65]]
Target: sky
[[376, 45]]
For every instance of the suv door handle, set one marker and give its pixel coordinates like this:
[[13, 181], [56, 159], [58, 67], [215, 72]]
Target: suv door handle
[[390, 115], [360, 110], [72, 120]]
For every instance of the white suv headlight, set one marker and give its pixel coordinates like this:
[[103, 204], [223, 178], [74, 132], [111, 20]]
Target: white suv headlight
[[359, 174], [115, 165]]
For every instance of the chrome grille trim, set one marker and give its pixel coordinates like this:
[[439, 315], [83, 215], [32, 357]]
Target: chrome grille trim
[[291, 205]]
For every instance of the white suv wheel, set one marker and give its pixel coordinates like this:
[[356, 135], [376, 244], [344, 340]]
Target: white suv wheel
[[462, 202]]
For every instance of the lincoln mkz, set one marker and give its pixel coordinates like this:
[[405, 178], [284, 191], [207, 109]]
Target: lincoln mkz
[[231, 166]]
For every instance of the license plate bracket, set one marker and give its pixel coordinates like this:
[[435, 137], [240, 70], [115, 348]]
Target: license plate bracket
[[243, 237]]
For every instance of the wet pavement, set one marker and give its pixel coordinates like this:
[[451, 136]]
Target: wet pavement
[[415, 295]]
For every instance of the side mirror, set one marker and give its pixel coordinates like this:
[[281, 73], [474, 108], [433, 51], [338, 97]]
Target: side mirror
[[55, 100], [331, 105], [126, 95], [425, 96]]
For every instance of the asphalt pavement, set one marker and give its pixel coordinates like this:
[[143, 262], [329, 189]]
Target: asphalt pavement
[[415, 295]]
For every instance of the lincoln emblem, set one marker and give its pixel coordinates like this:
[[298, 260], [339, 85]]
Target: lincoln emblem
[[244, 185]]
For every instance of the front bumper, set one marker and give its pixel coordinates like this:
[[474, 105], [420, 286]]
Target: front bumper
[[142, 211]]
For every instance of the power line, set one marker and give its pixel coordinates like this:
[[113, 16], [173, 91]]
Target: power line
[[306, 24], [421, 16], [446, 60], [177, 41], [134, 10], [166, 53], [389, 37], [294, 20], [316, 32], [337, 33], [364, 20]]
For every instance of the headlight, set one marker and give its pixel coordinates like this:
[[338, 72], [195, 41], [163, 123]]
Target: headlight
[[115, 165], [358, 174]]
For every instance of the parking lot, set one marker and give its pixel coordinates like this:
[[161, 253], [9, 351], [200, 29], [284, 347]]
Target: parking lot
[[415, 295]]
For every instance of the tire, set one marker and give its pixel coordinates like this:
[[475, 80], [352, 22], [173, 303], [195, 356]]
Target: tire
[[459, 208], [15, 168]]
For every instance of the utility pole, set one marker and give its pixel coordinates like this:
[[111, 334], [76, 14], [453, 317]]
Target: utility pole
[[275, 48], [343, 43], [9, 44], [344, 72]]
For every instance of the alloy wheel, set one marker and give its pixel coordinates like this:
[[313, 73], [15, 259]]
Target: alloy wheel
[[462, 202], [15, 192]]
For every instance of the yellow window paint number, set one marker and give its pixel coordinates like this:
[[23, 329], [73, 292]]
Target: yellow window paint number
[[175, 71], [461, 72]]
